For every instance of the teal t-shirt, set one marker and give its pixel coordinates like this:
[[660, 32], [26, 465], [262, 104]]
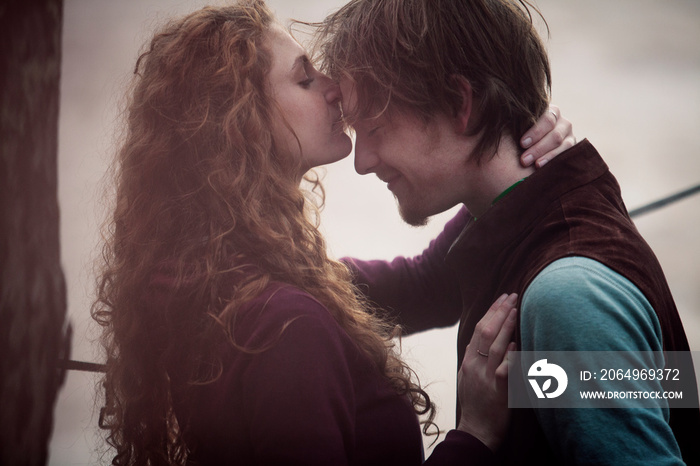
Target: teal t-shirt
[[579, 304]]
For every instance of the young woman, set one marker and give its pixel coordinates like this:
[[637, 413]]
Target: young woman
[[230, 335]]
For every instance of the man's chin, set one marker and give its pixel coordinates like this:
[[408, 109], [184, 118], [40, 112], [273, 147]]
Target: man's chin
[[413, 218]]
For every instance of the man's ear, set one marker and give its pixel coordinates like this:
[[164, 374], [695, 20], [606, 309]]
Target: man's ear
[[464, 110]]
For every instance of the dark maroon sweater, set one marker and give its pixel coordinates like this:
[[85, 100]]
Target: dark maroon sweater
[[312, 397]]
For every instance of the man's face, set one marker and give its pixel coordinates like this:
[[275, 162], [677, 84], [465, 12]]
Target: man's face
[[424, 165]]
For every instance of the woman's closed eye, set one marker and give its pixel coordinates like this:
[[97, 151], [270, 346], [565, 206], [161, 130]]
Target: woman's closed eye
[[306, 83]]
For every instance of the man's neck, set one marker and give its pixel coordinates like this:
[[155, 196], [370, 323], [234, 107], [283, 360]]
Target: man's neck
[[496, 175]]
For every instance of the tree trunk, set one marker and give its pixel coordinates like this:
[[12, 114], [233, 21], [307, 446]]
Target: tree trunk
[[33, 329]]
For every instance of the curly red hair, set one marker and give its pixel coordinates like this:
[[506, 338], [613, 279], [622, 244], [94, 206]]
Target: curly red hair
[[202, 190]]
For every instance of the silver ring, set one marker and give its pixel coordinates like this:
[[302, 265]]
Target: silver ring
[[486, 355], [556, 118]]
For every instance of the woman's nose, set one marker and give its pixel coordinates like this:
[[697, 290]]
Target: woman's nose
[[333, 94]]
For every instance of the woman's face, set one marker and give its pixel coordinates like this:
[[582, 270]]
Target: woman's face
[[310, 105]]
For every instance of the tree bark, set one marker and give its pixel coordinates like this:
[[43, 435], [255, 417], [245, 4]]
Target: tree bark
[[33, 329]]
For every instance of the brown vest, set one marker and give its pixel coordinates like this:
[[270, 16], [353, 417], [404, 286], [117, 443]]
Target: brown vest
[[572, 208]]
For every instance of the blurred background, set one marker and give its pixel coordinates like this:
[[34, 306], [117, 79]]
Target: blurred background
[[626, 73]]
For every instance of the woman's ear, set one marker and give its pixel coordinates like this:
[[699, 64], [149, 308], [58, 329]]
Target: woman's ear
[[464, 110]]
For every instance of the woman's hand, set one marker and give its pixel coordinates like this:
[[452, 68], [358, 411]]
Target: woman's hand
[[483, 376], [551, 135]]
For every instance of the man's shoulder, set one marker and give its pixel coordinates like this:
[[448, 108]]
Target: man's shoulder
[[580, 273], [580, 299], [578, 281]]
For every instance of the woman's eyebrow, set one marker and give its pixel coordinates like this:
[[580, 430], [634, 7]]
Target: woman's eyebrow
[[301, 60]]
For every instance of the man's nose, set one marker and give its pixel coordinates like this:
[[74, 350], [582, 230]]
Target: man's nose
[[366, 158]]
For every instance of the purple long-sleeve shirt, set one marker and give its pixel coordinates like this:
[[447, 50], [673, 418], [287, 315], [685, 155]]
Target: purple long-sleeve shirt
[[421, 292]]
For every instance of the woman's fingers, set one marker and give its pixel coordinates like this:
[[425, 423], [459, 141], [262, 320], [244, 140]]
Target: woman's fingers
[[490, 326], [561, 138], [551, 135], [500, 345], [472, 347], [502, 369], [483, 377]]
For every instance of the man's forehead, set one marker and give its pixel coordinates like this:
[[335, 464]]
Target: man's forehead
[[347, 88], [356, 112]]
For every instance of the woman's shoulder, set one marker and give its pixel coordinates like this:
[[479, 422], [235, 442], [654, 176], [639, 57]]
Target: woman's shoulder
[[284, 300], [283, 307]]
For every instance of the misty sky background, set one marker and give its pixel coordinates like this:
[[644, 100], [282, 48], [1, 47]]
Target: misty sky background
[[625, 72]]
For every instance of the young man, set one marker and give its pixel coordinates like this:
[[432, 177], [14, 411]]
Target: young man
[[437, 92]]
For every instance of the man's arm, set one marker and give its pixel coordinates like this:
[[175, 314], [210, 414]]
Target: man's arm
[[578, 304], [421, 292]]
